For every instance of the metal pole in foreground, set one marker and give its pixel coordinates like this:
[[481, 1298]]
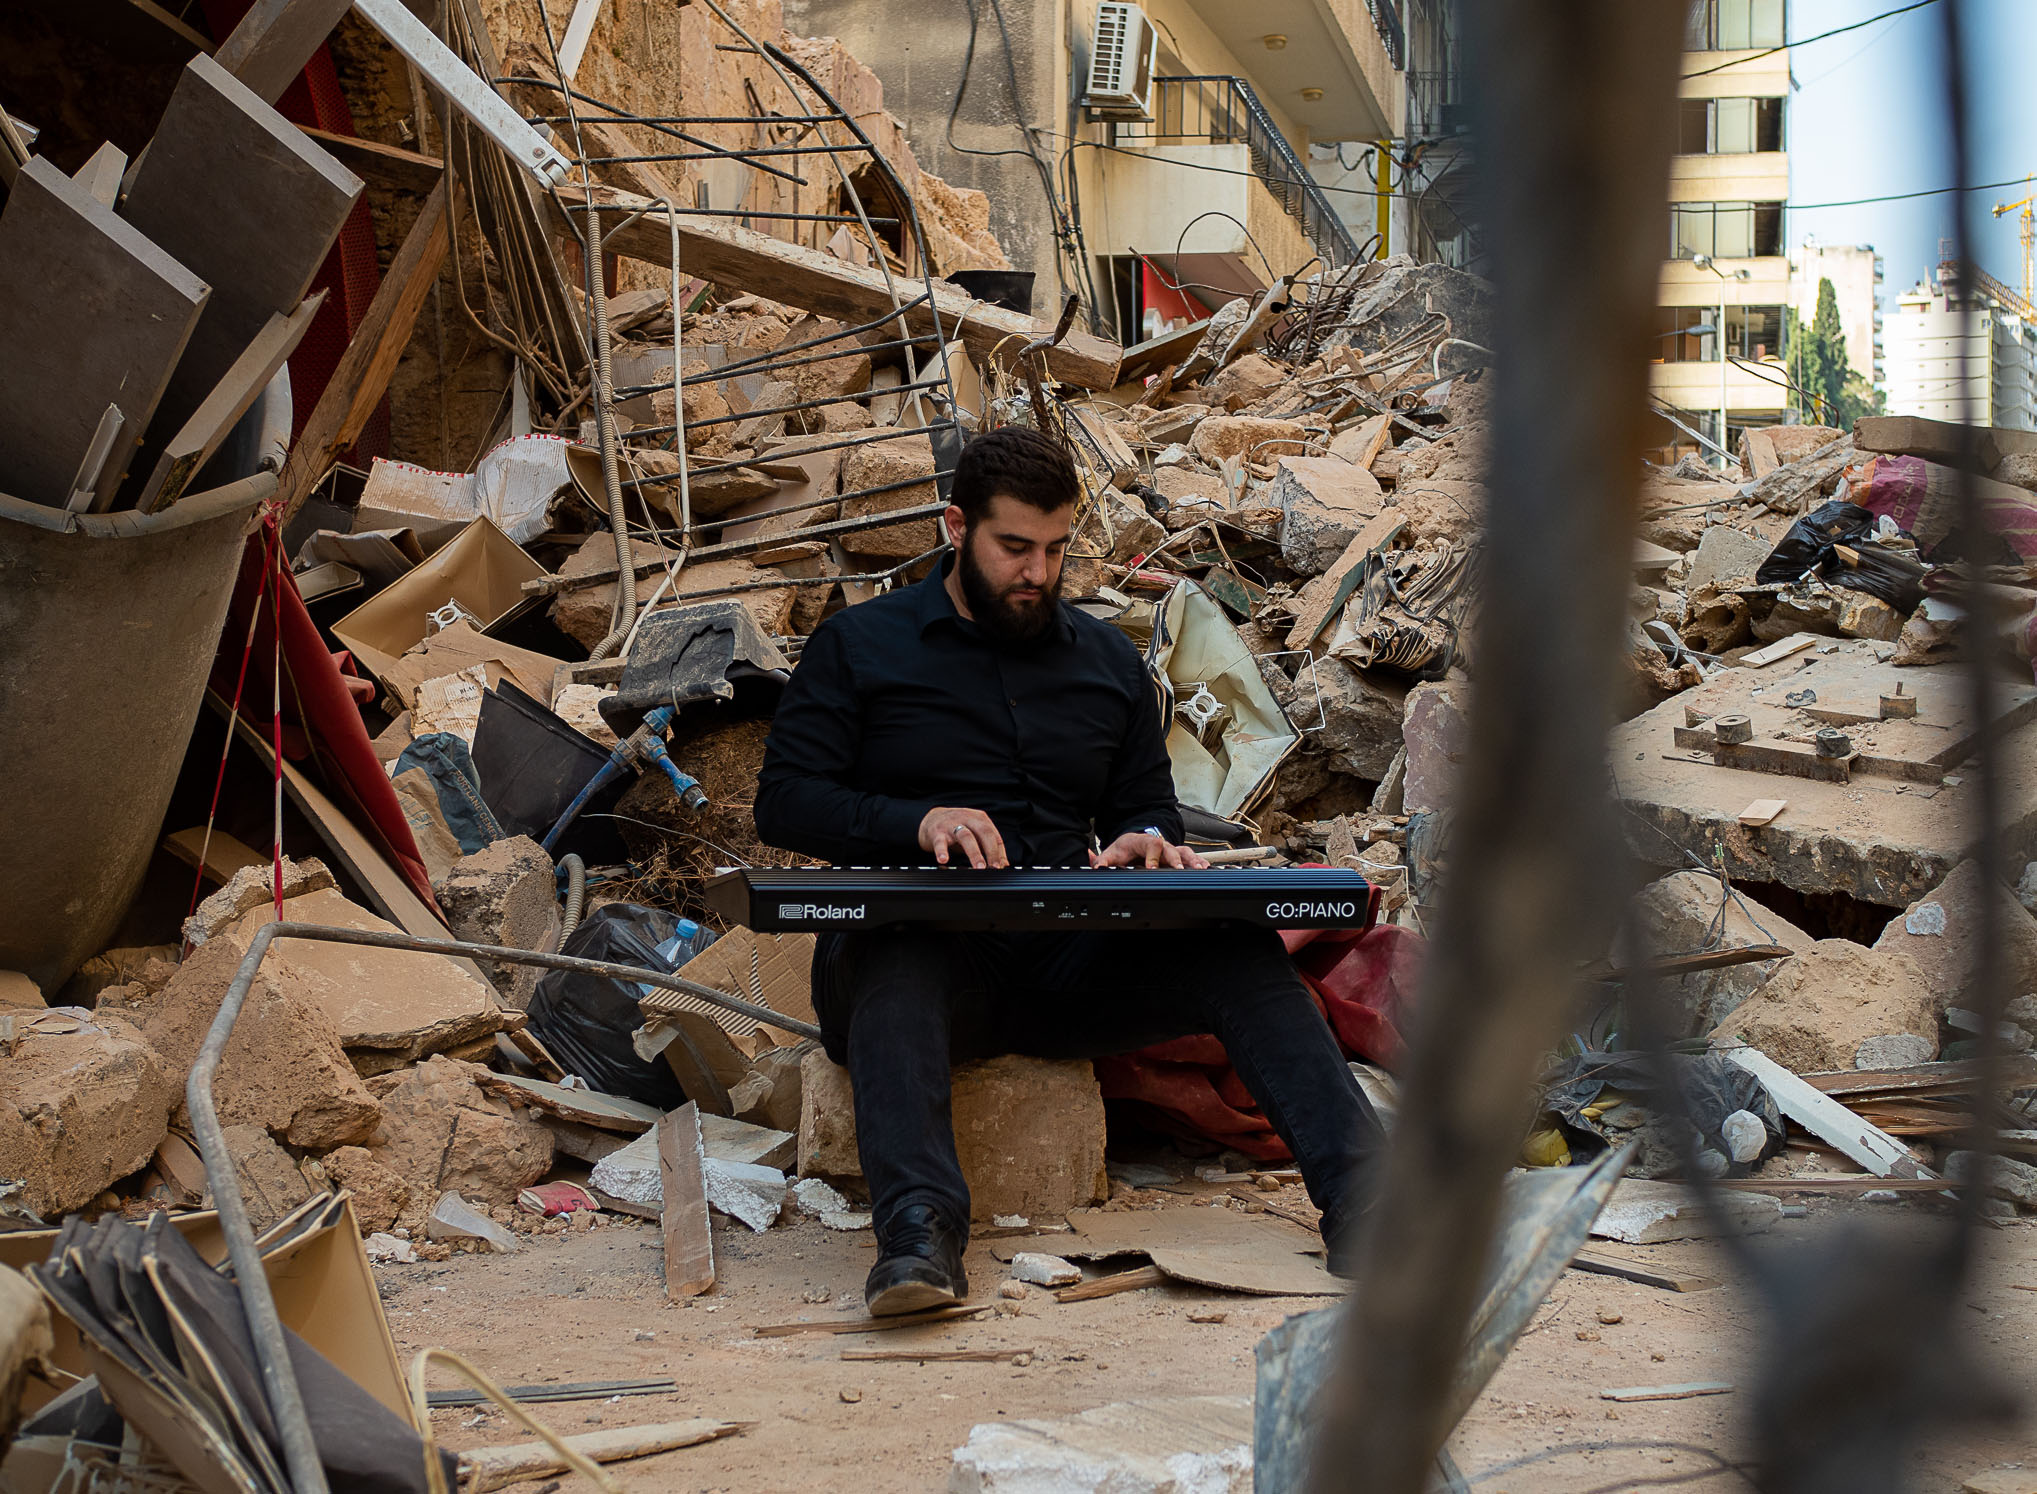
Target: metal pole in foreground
[[1576, 101]]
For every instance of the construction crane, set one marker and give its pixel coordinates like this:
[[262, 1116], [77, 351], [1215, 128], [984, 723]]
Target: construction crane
[[2029, 237]]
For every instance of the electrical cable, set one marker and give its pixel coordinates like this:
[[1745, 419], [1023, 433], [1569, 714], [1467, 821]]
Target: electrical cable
[[1806, 41], [1799, 207]]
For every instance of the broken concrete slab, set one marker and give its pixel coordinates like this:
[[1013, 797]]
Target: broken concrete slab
[[1888, 835], [284, 1068], [1941, 932], [1044, 1270], [1643, 1211], [1028, 1132], [1726, 557], [825, 1203], [380, 1195], [254, 887], [1247, 436], [389, 1006], [1691, 910], [1436, 731], [505, 893], [1362, 714], [742, 1190], [83, 1103], [440, 1132], [1180, 1445], [727, 1140], [1324, 503], [115, 967], [1821, 1005], [271, 1184], [2004, 1177]]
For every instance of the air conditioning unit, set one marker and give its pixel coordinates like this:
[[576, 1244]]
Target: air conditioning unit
[[1121, 57]]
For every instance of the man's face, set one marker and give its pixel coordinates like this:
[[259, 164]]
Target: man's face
[[1009, 565]]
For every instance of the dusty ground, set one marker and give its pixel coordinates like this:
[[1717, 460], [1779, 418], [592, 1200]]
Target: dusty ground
[[591, 1306]]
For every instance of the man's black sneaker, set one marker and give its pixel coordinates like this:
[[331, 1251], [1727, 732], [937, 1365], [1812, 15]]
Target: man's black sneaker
[[919, 1265]]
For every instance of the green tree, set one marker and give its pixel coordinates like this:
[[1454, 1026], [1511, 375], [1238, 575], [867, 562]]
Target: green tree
[[1828, 391]]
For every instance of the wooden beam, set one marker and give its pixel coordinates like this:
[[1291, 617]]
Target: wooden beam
[[779, 270], [385, 165], [362, 377], [689, 1243]]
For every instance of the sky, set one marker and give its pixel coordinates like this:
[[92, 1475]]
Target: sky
[[1868, 117]]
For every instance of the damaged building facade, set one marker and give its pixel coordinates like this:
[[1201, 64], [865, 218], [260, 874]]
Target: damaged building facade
[[432, 434]]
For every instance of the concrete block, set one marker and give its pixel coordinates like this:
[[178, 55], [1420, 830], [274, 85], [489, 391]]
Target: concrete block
[[743, 1190], [246, 200], [91, 314], [1436, 731], [1182, 1445], [1028, 1131], [389, 1006], [440, 1133], [1941, 932], [271, 1185], [1249, 437], [1726, 557], [1814, 1013], [2005, 1176], [284, 1068], [82, 1104], [507, 894], [1324, 502], [1044, 1270], [1246, 381], [250, 888], [1362, 719], [381, 1196]]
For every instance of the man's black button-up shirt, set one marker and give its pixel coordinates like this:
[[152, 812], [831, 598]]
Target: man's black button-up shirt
[[900, 704]]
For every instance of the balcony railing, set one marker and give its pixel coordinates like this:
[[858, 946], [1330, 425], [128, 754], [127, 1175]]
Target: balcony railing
[[1223, 110], [1386, 20]]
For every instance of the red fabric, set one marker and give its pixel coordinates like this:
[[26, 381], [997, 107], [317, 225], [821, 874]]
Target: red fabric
[[320, 719], [1362, 980]]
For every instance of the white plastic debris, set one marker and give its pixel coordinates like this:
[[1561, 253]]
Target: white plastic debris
[[1019, 1221], [453, 1218], [1744, 1135], [385, 1250]]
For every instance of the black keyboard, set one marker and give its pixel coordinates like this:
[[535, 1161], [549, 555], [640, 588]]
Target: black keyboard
[[777, 900]]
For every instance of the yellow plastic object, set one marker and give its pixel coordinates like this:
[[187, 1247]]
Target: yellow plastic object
[[1546, 1148]]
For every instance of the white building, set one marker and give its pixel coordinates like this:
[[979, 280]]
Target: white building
[[1855, 273], [1932, 344]]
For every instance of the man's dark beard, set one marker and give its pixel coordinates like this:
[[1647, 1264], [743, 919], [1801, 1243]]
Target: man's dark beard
[[997, 614]]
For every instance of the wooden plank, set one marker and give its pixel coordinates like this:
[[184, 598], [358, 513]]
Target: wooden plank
[[1681, 1392], [483, 1469], [217, 414], [1606, 1265], [384, 165], [584, 1107], [218, 856], [1761, 812], [91, 314], [1689, 964], [689, 1242], [1956, 1077], [934, 1356], [740, 259], [875, 1325], [358, 383], [1828, 1120], [1782, 648], [1110, 1286], [273, 41]]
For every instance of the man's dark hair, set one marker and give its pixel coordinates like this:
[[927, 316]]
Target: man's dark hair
[[1019, 463]]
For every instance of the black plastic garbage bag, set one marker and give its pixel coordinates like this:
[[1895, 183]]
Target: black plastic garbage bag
[[1834, 523], [586, 1020], [1710, 1089], [1836, 542]]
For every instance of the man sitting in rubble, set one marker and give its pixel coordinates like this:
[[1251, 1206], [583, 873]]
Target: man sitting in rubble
[[977, 717]]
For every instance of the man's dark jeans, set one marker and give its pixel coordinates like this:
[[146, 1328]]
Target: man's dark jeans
[[898, 1006]]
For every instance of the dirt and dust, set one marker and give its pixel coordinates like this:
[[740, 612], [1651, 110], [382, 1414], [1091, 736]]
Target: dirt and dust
[[592, 1306]]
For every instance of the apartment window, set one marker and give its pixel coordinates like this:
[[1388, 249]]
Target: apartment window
[[1708, 127], [1754, 331], [1734, 25], [1725, 230], [1677, 342]]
